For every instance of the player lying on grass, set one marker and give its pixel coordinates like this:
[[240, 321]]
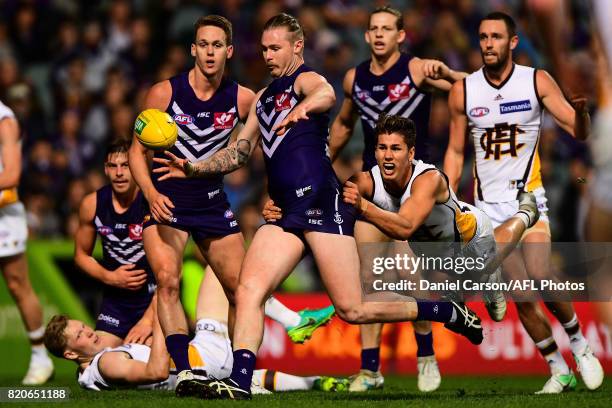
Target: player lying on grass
[[411, 200], [102, 367]]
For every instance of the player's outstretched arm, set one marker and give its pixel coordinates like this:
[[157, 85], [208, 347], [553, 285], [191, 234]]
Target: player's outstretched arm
[[224, 161], [414, 211], [434, 74], [319, 96], [125, 276], [344, 123], [454, 156], [575, 119], [10, 150]]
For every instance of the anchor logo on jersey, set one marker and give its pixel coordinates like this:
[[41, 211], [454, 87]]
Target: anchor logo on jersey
[[223, 120], [338, 218], [135, 232], [398, 92], [282, 101], [500, 140]]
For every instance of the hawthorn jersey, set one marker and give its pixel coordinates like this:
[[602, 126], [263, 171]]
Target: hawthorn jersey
[[504, 125]]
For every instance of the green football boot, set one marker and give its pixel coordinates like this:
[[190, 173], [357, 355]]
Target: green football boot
[[310, 321]]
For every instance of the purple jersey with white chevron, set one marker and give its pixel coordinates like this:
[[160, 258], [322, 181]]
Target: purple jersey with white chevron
[[204, 127], [297, 163], [121, 236], [395, 93]]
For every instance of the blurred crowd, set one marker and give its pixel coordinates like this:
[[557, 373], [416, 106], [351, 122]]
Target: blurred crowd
[[76, 72]]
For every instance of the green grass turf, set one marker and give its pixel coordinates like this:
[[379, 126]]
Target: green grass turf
[[398, 392]]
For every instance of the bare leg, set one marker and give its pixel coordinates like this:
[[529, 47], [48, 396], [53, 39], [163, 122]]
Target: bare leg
[[212, 302], [164, 247], [225, 256], [15, 271]]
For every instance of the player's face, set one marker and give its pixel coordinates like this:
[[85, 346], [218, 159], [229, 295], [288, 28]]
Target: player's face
[[495, 44], [211, 50], [81, 340], [279, 50], [393, 158], [383, 36], [117, 169]]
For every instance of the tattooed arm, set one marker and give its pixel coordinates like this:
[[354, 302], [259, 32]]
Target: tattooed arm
[[226, 160]]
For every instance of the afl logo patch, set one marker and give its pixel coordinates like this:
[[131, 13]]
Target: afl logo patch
[[398, 92], [479, 111], [104, 230], [183, 119], [223, 120], [228, 214], [282, 101]]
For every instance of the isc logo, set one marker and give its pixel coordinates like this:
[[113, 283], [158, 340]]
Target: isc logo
[[183, 119], [223, 120]]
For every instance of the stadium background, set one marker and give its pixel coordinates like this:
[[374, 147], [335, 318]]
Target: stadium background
[[75, 73]]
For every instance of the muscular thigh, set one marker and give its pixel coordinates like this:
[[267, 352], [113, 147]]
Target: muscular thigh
[[536, 253], [270, 259], [164, 248], [338, 262], [225, 256]]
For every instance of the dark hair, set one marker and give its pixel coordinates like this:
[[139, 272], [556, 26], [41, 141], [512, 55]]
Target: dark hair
[[215, 21], [118, 145], [54, 337], [388, 124], [388, 9], [289, 22], [498, 15]]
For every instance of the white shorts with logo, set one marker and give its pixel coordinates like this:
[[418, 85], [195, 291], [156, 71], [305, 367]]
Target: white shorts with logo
[[210, 352], [13, 230], [500, 212]]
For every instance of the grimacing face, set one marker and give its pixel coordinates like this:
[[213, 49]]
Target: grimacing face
[[279, 50], [495, 43], [394, 158], [382, 35], [81, 340], [117, 169], [211, 50]]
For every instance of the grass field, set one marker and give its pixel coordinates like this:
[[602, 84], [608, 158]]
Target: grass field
[[398, 392]]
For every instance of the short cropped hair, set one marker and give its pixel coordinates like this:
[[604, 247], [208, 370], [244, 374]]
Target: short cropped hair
[[215, 21], [405, 127], [119, 145], [289, 22], [399, 22], [498, 15], [54, 337]]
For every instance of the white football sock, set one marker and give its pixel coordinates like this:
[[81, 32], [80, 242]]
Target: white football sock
[[278, 381], [276, 311], [555, 360], [577, 341]]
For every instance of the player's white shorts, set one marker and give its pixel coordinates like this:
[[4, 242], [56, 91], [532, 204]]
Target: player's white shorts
[[482, 245], [210, 352], [499, 213], [13, 229]]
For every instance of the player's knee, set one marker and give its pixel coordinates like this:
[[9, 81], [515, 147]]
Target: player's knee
[[17, 284], [350, 313], [248, 293]]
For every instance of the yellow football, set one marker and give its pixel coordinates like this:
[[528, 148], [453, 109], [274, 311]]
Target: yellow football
[[155, 129]]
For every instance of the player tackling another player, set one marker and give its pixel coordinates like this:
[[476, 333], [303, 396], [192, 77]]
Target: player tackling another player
[[207, 108], [290, 117], [397, 83], [500, 105]]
